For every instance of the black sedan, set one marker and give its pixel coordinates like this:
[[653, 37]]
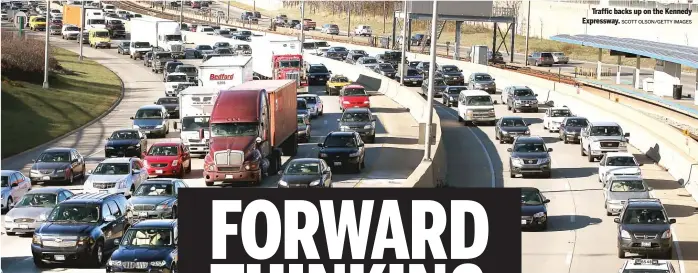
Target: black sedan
[[534, 211], [155, 199], [124, 48], [449, 97], [171, 104], [508, 128], [385, 69], [58, 164], [343, 149], [126, 143], [570, 129], [451, 74], [306, 173], [148, 244], [342, 51], [439, 87]]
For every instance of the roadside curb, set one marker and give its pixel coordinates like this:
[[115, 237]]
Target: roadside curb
[[89, 123]]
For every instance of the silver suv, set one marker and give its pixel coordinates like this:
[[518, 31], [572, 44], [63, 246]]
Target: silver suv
[[529, 155]]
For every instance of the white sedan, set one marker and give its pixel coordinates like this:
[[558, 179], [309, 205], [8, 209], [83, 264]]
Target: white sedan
[[554, 117], [618, 164], [116, 175]]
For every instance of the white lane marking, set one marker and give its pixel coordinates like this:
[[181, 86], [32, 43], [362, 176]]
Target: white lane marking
[[568, 259], [675, 242], [493, 180], [569, 189]]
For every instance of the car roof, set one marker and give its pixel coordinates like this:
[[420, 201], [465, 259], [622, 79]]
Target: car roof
[[357, 110], [512, 117], [89, 198], [151, 107], [7, 172], [166, 143], [648, 203], [126, 130], [160, 180], [519, 87], [340, 134], [117, 160], [58, 149], [305, 160], [603, 123], [47, 190], [156, 223], [529, 139], [474, 93], [619, 154]]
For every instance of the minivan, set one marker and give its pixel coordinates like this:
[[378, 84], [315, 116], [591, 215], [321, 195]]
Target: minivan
[[476, 106]]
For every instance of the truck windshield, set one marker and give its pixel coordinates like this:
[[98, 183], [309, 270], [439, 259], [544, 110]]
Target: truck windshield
[[322, 44], [290, 64], [234, 129], [479, 101], [95, 22], [605, 131], [176, 37], [102, 34], [141, 45], [72, 29], [194, 123], [223, 32], [176, 78], [186, 69]]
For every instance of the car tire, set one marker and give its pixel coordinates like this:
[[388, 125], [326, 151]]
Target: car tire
[[581, 150], [97, 257], [621, 253], [590, 157], [511, 174], [460, 119], [38, 262], [188, 169], [564, 140], [174, 213], [173, 269], [548, 174], [609, 214], [543, 227], [180, 174], [372, 139], [209, 184], [357, 169], [363, 164], [71, 179]]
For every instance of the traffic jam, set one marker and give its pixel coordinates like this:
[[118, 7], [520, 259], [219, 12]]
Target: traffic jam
[[125, 215]]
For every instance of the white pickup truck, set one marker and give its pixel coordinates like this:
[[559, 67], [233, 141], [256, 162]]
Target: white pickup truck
[[601, 137], [621, 164], [554, 117]]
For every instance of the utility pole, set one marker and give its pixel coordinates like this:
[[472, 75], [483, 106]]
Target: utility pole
[[229, 12], [405, 40], [302, 38], [430, 97], [82, 26], [349, 20], [181, 12], [46, 49], [528, 30]]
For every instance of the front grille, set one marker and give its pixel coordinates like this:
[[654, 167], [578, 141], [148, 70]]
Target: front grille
[[147, 127], [59, 241], [228, 169], [294, 76], [195, 140], [159, 165], [143, 207], [644, 236], [46, 171], [176, 48], [605, 144], [298, 185], [134, 265], [229, 158], [104, 185], [24, 220], [356, 127], [530, 161]]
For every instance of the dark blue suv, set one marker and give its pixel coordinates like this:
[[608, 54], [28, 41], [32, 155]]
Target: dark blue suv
[[148, 246]]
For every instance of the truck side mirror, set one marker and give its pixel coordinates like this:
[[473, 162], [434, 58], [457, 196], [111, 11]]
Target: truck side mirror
[[131, 118], [174, 125], [616, 220], [201, 133], [509, 150], [258, 140], [627, 134]]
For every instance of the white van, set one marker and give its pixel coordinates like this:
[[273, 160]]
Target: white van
[[363, 30], [476, 106]]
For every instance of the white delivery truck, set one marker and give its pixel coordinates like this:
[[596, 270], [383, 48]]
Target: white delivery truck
[[94, 18], [281, 58], [225, 71], [158, 32], [195, 106]]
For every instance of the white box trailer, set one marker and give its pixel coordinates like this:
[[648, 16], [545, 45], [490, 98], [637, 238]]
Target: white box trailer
[[224, 72], [158, 32], [195, 106], [272, 46]]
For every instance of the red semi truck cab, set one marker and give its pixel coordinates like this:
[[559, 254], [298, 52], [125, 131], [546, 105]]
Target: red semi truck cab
[[289, 67], [251, 126]]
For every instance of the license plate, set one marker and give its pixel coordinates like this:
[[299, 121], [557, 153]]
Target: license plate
[[338, 163], [46, 178], [59, 257], [24, 226], [414, 81], [143, 214], [158, 171], [646, 244], [228, 176], [103, 191], [527, 104], [523, 222]]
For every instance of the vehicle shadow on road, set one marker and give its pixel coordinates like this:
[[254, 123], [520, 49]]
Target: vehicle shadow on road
[[551, 140], [574, 172], [689, 250], [662, 184], [531, 121], [680, 211], [397, 140], [568, 223], [389, 110]]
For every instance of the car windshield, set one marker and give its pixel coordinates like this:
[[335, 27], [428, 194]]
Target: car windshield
[[234, 129], [101, 34], [124, 135], [194, 123], [621, 161], [5, 181], [309, 45], [576, 123], [513, 123], [317, 69], [54, 157], [344, 141], [72, 29], [321, 44], [154, 189], [482, 77], [449, 68], [204, 47], [370, 61], [605, 131], [628, 186], [81, 213], [223, 32], [412, 72], [243, 47], [479, 101], [141, 44], [339, 79], [222, 45], [172, 66], [523, 93], [386, 66], [40, 20], [647, 216], [163, 150], [456, 90], [339, 49], [355, 92], [560, 113], [546, 55], [37, 200], [531, 198], [207, 29], [301, 104], [149, 114], [115, 22], [310, 99], [112, 169], [141, 237], [303, 168], [356, 117], [125, 44], [529, 148], [359, 52], [176, 78]]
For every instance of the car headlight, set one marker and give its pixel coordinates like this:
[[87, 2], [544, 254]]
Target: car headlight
[[544, 160], [36, 239], [355, 154], [60, 171], [345, 102], [623, 144], [42, 218], [534, 102], [451, 98], [136, 127], [210, 168], [527, 132], [283, 183], [368, 126], [85, 240], [162, 207], [615, 202], [516, 161], [109, 148], [491, 111], [343, 128], [159, 126], [469, 112], [323, 155], [539, 215], [504, 132], [666, 234], [315, 183], [624, 234], [34, 171], [517, 102], [121, 183], [114, 263], [158, 263], [174, 162]]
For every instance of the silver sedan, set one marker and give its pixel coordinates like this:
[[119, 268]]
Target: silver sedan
[[33, 209]]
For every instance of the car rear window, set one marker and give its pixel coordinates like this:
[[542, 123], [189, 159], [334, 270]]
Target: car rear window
[[546, 55]]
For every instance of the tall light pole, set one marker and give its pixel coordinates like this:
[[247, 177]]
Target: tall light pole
[[302, 38], [349, 20], [528, 30], [82, 26], [181, 12], [46, 49], [405, 40], [430, 97], [228, 18]]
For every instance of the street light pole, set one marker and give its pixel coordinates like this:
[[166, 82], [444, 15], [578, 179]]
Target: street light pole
[[405, 40], [302, 38], [528, 30], [82, 26], [181, 12], [46, 49], [229, 12], [430, 97]]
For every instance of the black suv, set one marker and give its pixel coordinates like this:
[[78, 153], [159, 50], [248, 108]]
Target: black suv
[[82, 228], [508, 128], [148, 246], [644, 228], [317, 74], [343, 149], [529, 155]]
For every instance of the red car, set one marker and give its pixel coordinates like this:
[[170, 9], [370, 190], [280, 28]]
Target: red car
[[353, 96], [168, 159]]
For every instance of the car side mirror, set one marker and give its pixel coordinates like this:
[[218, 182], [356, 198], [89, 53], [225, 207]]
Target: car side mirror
[[546, 201], [509, 150], [330, 71], [155, 102], [135, 172], [617, 220], [672, 221], [493, 79], [650, 188], [550, 149], [642, 164], [131, 118], [280, 172], [495, 102], [174, 125], [338, 120], [321, 145], [627, 134], [536, 95], [201, 133], [117, 241], [361, 145], [326, 172], [109, 218], [90, 171], [33, 160]]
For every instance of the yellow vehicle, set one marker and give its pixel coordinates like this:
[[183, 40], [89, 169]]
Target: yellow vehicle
[[99, 38], [336, 83], [37, 23]]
